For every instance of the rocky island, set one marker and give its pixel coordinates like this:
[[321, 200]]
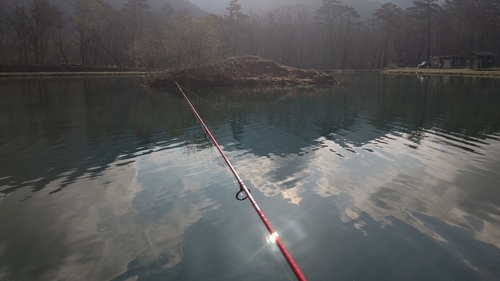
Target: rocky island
[[241, 71]]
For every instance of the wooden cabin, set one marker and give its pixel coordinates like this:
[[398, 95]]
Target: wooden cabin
[[480, 60], [452, 61]]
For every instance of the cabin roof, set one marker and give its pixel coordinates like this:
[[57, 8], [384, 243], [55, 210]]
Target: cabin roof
[[482, 53]]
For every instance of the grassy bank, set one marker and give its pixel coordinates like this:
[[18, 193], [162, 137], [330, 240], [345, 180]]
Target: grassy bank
[[439, 71], [42, 71], [83, 73], [9, 70]]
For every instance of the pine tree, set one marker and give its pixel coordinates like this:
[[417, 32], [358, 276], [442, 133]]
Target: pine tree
[[388, 16], [424, 12], [235, 19]]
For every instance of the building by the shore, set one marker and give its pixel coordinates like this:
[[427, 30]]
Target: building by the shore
[[480, 60], [452, 61]]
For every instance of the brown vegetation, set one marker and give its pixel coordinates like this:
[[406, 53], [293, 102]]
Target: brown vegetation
[[242, 70], [7, 68], [332, 35], [491, 73]]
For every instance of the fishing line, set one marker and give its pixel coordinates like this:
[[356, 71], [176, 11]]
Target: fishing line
[[280, 152], [232, 119], [239, 123], [274, 237]]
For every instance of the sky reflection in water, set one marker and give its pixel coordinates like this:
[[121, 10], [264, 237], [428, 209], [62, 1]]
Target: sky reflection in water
[[386, 178]]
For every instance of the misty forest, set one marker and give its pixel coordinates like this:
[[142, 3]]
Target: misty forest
[[333, 35]]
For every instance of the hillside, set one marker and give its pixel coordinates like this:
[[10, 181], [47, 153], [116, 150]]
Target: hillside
[[364, 7], [177, 5]]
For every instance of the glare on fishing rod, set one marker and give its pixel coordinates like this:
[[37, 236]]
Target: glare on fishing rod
[[272, 238]]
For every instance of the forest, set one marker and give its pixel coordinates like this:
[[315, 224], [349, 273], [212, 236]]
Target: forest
[[331, 36]]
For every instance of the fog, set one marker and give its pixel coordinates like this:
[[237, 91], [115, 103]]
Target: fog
[[177, 5], [365, 7], [362, 34]]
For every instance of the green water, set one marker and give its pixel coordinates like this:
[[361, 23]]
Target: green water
[[384, 178]]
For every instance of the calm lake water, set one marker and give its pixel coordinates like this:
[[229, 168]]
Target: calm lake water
[[385, 178]]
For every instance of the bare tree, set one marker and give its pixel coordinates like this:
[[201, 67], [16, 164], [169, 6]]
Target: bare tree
[[389, 18], [283, 25], [3, 31], [17, 17], [82, 23], [44, 17], [134, 17], [60, 39], [307, 37], [328, 15], [254, 42], [425, 11], [471, 22], [348, 30], [107, 30], [167, 10], [147, 50], [235, 19], [35, 31]]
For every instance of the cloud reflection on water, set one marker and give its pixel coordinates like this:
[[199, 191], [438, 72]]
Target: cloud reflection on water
[[131, 193], [98, 225], [388, 178]]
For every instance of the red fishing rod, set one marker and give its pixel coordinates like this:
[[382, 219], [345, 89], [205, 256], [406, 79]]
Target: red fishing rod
[[246, 194]]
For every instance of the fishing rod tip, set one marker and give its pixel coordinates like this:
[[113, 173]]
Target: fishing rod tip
[[272, 238]]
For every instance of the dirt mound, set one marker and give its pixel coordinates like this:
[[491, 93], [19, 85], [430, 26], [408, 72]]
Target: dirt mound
[[243, 70]]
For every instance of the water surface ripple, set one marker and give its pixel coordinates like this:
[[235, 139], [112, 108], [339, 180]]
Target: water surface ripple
[[384, 178]]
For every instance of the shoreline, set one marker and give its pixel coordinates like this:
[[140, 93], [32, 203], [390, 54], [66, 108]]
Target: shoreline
[[443, 72], [30, 70], [69, 73], [396, 71]]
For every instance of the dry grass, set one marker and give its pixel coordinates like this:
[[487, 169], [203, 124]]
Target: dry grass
[[494, 73], [87, 73], [242, 70]]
